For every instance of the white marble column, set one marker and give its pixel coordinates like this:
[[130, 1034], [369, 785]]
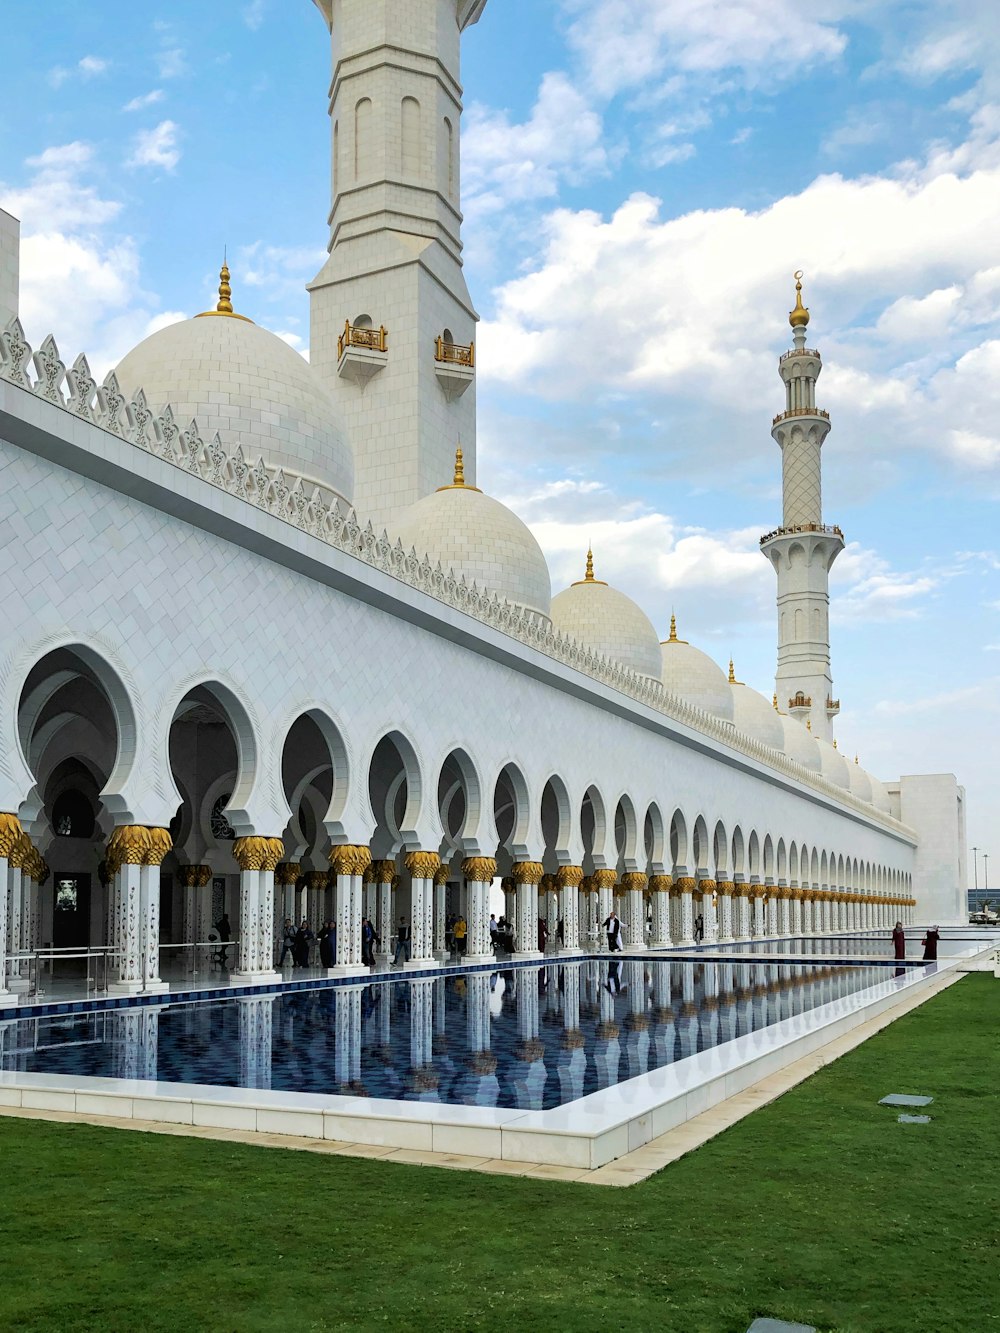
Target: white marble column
[[149, 907], [659, 888], [757, 902], [348, 863], [10, 834], [423, 866], [795, 910], [771, 909], [526, 876], [383, 873], [725, 892], [605, 881], [685, 921], [710, 900], [549, 899], [633, 882], [784, 911], [257, 858], [479, 872], [569, 879], [439, 948], [741, 908], [126, 849], [16, 906]]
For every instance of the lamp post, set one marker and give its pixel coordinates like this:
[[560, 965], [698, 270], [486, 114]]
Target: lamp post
[[986, 872], [975, 871]]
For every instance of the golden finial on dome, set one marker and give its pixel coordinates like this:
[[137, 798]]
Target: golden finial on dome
[[809, 724], [799, 317], [225, 302], [856, 760], [732, 673], [458, 482], [588, 576], [673, 628], [774, 701]]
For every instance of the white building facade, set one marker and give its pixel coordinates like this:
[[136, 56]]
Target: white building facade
[[228, 689]]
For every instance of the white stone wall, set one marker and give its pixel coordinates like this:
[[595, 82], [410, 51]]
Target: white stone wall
[[934, 804], [218, 591], [10, 244]]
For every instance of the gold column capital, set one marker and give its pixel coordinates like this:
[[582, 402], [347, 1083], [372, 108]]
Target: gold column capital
[[10, 832], [20, 849], [422, 865], [258, 853], [634, 879], [660, 883], [287, 872], [569, 877], [351, 859], [527, 872], [316, 880], [686, 884], [441, 875], [726, 887], [605, 879], [127, 845], [706, 886], [479, 869], [160, 842], [194, 876]]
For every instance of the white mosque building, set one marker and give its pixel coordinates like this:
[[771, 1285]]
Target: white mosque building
[[268, 650]]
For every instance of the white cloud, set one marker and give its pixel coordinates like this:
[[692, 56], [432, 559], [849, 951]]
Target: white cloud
[[92, 66], [156, 147], [144, 100], [505, 162]]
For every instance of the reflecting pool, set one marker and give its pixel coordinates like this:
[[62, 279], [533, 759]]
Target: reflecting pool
[[529, 1037]]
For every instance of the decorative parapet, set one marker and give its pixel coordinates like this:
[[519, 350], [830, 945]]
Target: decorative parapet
[[302, 504], [359, 335], [454, 367], [454, 353], [830, 530], [800, 412], [361, 352]]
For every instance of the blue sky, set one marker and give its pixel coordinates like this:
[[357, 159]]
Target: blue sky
[[640, 179]]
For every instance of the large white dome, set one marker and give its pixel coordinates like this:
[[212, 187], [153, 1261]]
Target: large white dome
[[861, 783], [694, 677], [251, 387], [606, 621], [800, 744], [756, 715], [477, 536]]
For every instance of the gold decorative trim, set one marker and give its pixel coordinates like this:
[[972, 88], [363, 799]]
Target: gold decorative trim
[[256, 853], [685, 884], [633, 880], [10, 831], [351, 859], [316, 880], [569, 877], [127, 846], [527, 872], [479, 869], [726, 887], [422, 865], [660, 883], [441, 876], [605, 879]]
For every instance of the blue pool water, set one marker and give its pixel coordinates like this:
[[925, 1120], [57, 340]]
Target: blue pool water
[[531, 1037]]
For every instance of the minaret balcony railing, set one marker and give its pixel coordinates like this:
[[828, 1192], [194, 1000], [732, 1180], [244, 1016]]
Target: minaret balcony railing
[[801, 412], [832, 705], [357, 335], [832, 531], [454, 353], [798, 351]]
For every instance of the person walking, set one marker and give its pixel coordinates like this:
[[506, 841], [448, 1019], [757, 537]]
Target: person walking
[[699, 928], [303, 938], [325, 938], [225, 935], [613, 926], [369, 940], [899, 940], [930, 942], [287, 941], [460, 931], [402, 942], [494, 931]]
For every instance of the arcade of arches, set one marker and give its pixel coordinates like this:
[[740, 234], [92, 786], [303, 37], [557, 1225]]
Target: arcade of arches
[[81, 873]]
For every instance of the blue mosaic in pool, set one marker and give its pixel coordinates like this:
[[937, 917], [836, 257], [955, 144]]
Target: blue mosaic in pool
[[530, 1038]]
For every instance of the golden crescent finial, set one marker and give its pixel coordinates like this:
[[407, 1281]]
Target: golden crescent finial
[[459, 479], [799, 317], [225, 302], [732, 673], [673, 628]]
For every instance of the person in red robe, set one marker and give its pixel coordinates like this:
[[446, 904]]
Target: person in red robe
[[899, 940], [930, 943]]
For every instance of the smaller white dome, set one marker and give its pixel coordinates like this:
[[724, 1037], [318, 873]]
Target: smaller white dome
[[694, 677], [475, 535], [834, 765], [607, 622], [861, 783], [800, 744], [880, 797], [756, 716]]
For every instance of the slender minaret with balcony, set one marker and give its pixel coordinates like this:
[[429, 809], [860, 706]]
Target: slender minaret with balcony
[[392, 322], [803, 549]]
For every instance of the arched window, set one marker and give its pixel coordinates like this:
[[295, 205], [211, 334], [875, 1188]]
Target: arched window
[[362, 138], [410, 137], [73, 815], [336, 156], [449, 156]]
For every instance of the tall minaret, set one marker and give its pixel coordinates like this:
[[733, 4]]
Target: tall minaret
[[803, 550], [393, 326]]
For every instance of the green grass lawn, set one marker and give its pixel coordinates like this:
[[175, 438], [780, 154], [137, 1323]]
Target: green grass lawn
[[818, 1208]]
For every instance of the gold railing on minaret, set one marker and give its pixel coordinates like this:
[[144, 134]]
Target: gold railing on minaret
[[831, 528], [356, 335], [455, 353]]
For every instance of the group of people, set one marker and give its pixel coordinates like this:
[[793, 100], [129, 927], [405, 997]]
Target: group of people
[[930, 942]]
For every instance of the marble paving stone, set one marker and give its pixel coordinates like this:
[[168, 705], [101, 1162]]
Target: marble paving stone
[[779, 1326], [903, 1099]]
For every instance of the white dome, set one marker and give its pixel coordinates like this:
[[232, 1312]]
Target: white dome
[[694, 677], [800, 744], [880, 797], [834, 765], [251, 387], [756, 716], [606, 621], [477, 536], [861, 783]]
